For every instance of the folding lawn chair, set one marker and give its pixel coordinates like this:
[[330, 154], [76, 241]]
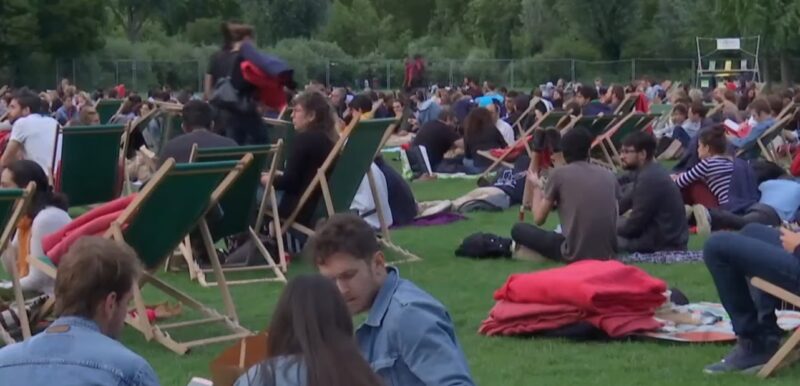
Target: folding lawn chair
[[89, 168], [13, 203], [645, 121], [764, 142], [610, 138], [242, 211], [353, 153], [186, 192], [172, 125], [788, 353], [281, 130], [108, 109], [627, 104]]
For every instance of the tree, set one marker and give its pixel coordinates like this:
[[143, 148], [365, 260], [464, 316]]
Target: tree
[[609, 24], [493, 22], [18, 29], [282, 19], [538, 25], [132, 14], [181, 13], [348, 27], [83, 32]]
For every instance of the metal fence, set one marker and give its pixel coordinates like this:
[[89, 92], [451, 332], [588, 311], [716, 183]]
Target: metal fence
[[522, 74]]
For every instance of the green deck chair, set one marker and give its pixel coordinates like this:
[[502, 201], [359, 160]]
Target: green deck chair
[[661, 109], [240, 204], [173, 203], [89, 171], [281, 130], [107, 109], [353, 154], [13, 203], [607, 141]]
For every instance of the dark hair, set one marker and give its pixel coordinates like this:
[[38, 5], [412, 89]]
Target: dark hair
[[618, 91], [573, 108], [197, 115], [576, 144], [28, 99], [344, 233], [773, 102], [680, 108], [317, 104], [93, 268], [588, 92], [26, 171], [760, 105], [362, 103], [729, 95], [714, 138], [641, 141], [478, 120], [699, 108], [311, 325]]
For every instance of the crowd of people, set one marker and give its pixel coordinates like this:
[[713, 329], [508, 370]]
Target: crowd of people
[[718, 184]]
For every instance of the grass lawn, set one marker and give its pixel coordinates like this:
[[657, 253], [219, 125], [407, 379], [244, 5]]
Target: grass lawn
[[466, 288]]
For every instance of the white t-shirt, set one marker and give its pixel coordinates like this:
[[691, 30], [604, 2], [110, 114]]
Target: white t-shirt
[[37, 135], [363, 201], [48, 220], [506, 131]]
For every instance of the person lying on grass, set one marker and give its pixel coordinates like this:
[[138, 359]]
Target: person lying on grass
[[93, 288], [311, 341], [408, 336]]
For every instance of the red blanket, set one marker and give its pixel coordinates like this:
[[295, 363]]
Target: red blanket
[[616, 298], [93, 222]]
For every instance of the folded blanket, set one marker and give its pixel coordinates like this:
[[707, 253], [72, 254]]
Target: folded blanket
[[91, 223], [599, 287]]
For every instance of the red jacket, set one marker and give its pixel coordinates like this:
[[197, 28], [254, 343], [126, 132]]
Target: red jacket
[[270, 88], [92, 223], [795, 169]]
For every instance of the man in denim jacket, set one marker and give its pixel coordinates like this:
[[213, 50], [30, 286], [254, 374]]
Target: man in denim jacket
[[93, 288], [408, 336]]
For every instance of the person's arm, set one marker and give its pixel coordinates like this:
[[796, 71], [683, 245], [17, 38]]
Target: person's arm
[[145, 376], [11, 154], [208, 86], [643, 208], [459, 143], [542, 201], [429, 349], [305, 149], [696, 173]]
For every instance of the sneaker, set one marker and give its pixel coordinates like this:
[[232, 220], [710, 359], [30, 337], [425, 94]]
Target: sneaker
[[702, 218], [747, 357]]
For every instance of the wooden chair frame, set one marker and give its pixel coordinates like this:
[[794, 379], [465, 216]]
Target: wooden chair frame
[[9, 228], [158, 332], [788, 353], [764, 141]]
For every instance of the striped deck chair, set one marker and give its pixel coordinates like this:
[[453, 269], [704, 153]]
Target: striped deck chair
[[197, 187], [242, 212], [13, 203], [788, 353], [89, 169], [353, 154]]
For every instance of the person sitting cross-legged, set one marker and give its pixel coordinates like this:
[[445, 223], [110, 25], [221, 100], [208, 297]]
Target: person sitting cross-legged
[[408, 337], [734, 258], [586, 196], [656, 219], [93, 288], [708, 183]]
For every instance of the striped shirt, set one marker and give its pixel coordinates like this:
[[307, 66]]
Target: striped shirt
[[715, 171]]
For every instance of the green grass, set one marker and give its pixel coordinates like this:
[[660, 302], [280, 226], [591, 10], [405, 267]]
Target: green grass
[[466, 288]]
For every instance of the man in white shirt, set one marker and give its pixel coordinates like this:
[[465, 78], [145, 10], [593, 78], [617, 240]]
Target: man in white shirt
[[503, 127], [33, 135]]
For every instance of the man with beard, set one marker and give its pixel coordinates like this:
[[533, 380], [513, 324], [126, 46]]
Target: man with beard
[[653, 217]]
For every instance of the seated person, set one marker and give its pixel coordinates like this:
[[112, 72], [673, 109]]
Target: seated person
[[586, 196], [408, 337], [727, 98], [438, 137], [361, 105], [674, 139], [46, 214], [713, 173], [732, 259], [364, 201], [614, 97], [656, 221], [779, 203], [689, 133], [92, 291], [762, 115], [198, 121], [33, 133], [502, 126], [68, 112], [315, 138], [329, 355], [590, 104], [480, 133]]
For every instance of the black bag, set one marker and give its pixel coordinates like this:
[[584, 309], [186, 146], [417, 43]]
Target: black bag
[[484, 246], [225, 95]]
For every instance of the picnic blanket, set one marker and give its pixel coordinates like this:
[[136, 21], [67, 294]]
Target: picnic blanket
[[663, 257], [705, 323], [407, 173]]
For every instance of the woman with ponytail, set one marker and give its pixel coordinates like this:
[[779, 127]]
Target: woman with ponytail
[[715, 170], [46, 214]]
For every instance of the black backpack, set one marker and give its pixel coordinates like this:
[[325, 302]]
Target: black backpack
[[484, 246]]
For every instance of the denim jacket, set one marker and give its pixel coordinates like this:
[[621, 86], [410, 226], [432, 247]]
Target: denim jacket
[[73, 352], [409, 339]]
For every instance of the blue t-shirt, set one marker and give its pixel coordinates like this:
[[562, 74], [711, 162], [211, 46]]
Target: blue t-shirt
[[781, 195]]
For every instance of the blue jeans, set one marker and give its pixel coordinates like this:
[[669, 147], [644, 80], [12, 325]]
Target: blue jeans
[[733, 259]]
